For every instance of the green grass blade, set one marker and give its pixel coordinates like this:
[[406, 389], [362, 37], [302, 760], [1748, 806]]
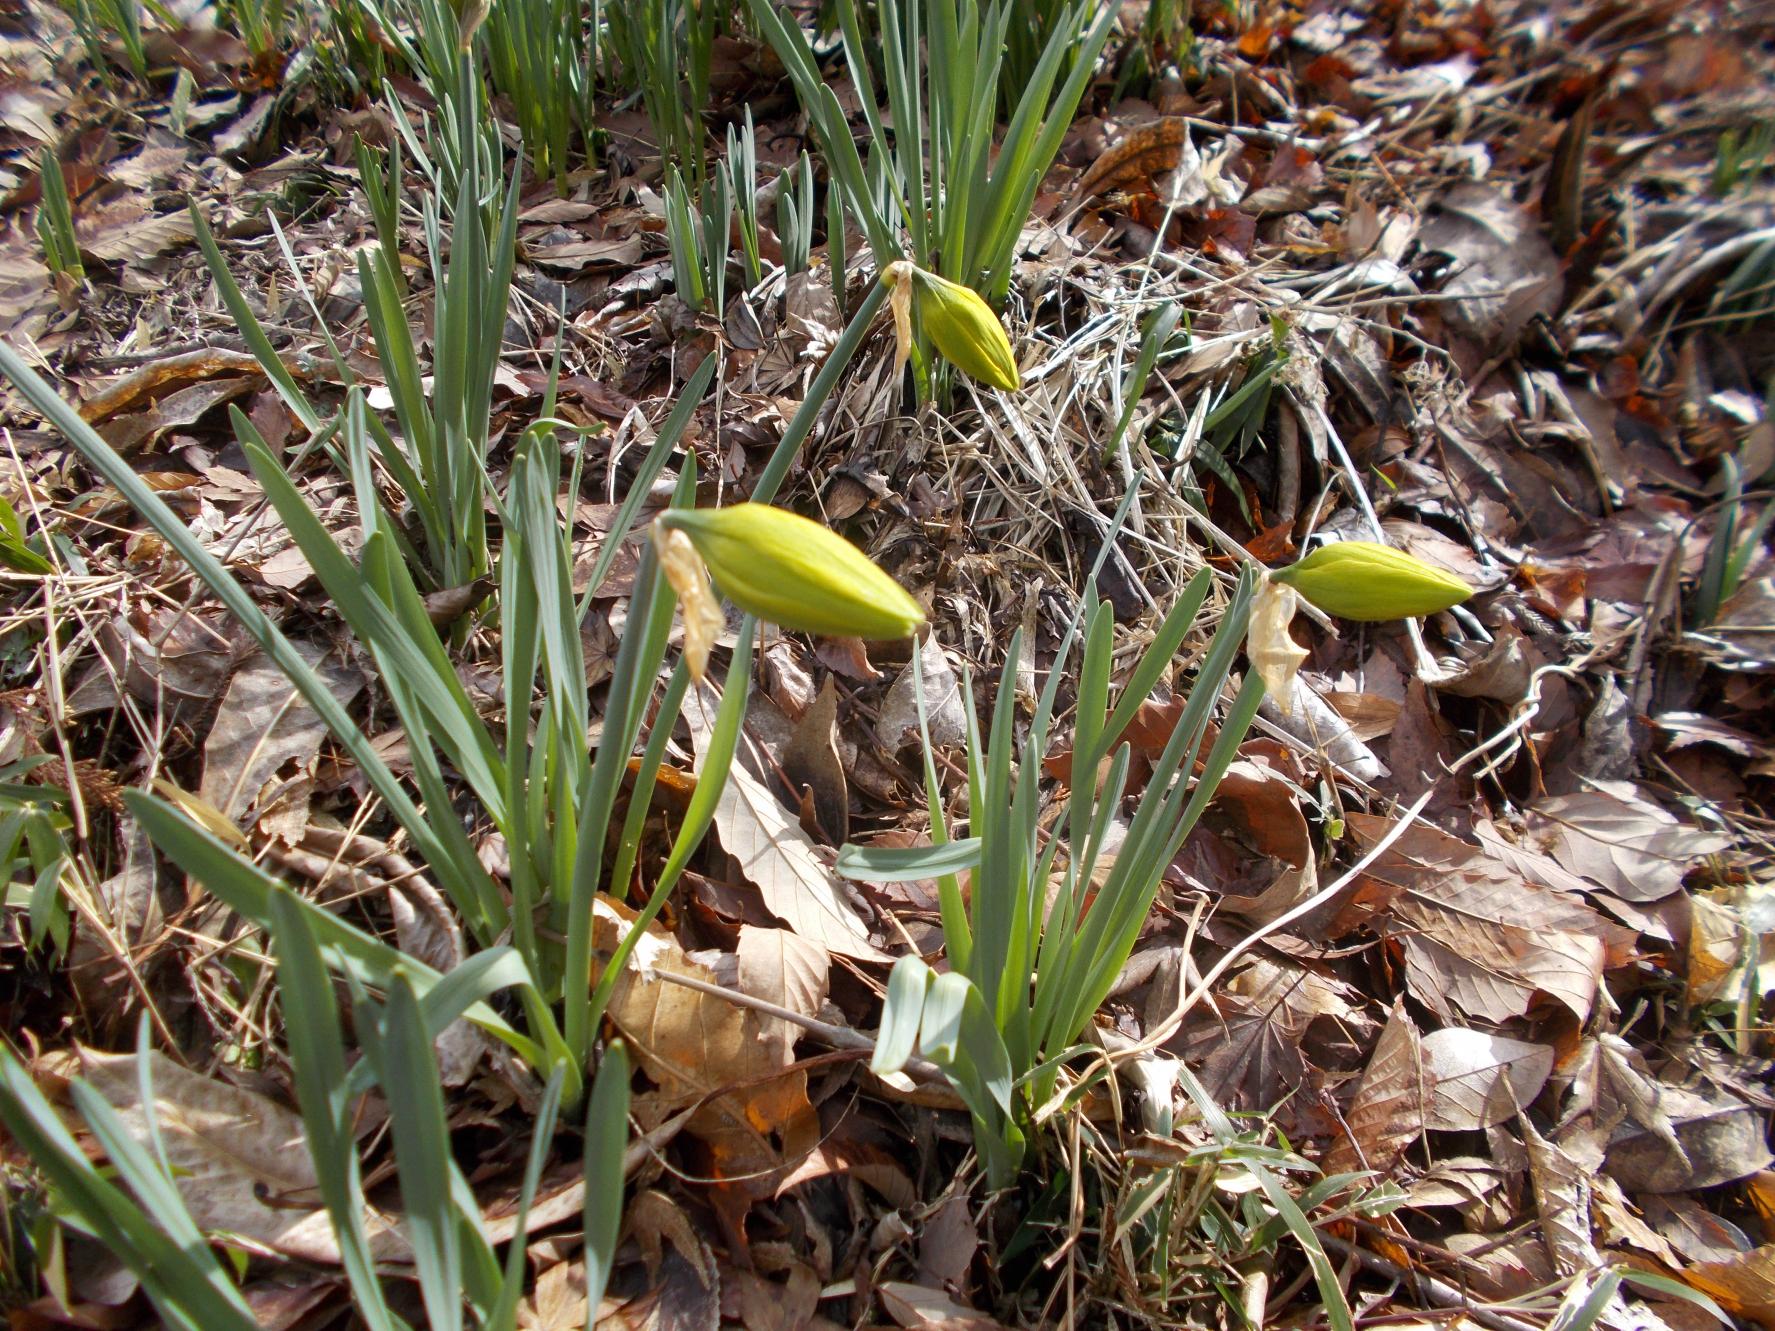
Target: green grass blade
[[606, 1138], [1331, 1291], [647, 778], [783, 457], [411, 657], [187, 1287], [251, 893], [886, 864], [1000, 883], [317, 1060], [251, 331], [902, 1013], [664, 444], [958, 938], [957, 1032], [698, 814], [158, 1197], [1160, 324], [636, 669], [410, 1082], [1021, 168], [503, 1316], [239, 603], [1158, 656]]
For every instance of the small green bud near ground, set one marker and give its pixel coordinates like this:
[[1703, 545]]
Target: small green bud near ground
[[1363, 580], [958, 320], [795, 573]]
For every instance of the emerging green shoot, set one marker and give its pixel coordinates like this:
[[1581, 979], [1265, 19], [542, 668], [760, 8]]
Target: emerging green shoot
[[543, 56], [55, 219], [795, 215], [944, 191], [102, 21], [664, 48]]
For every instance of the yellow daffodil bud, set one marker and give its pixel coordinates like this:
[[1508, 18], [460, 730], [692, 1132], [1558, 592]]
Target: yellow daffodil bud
[[958, 321], [1365, 581], [795, 573]]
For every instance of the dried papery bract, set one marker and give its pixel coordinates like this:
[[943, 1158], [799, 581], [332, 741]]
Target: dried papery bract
[[703, 619], [1274, 654], [898, 280]]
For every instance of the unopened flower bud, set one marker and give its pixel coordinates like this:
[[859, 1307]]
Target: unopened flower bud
[[1365, 581], [958, 321], [795, 573]]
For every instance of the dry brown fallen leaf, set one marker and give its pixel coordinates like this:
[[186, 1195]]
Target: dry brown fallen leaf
[[174, 660], [1621, 841], [125, 233], [1709, 1142], [240, 1161], [770, 1305], [1478, 938], [914, 1306], [1469, 1185], [1480, 1079], [1743, 1285], [261, 751], [945, 709], [811, 763], [776, 855], [1561, 1181], [1135, 158], [558, 1300], [680, 1299], [694, 1045], [169, 374], [781, 967], [1262, 806], [1690, 1230], [841, 1155], [1249, 1047], [1500, 1268], [27, 293], [1391, 1102], [1503, 268]]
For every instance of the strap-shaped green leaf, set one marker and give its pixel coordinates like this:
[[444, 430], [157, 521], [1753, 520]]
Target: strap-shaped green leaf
[[892, 864]]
